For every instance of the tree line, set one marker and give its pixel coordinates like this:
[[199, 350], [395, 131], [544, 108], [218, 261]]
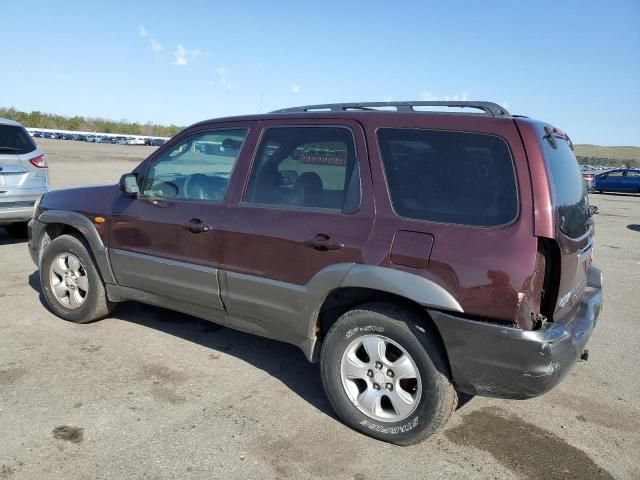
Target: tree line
[[608, 162], [37, 119]]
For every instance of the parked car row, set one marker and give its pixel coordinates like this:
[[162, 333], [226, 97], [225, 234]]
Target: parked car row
[[114, 139], [590, 168]]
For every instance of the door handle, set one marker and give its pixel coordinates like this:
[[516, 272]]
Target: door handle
[[323, 243], [195, 225]]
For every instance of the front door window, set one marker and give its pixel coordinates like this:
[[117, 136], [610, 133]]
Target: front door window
[[197, 169]]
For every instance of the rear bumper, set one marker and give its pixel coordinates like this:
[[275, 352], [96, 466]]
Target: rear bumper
[[499, 361], [16, 213], [16, 205]]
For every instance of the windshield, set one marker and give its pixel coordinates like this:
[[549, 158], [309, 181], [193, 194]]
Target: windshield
[[14, 139], [569, 188]]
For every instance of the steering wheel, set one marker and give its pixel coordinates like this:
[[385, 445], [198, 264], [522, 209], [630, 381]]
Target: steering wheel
[[197, 187], [204, 187]]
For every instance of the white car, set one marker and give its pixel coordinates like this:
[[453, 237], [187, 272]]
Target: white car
[[24, 177]]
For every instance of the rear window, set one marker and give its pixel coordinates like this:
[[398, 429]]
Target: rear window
[[568, 187], [450, 177], [14, 139]]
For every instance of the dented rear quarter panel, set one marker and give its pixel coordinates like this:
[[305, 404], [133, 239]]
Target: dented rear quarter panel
[[484, 268]]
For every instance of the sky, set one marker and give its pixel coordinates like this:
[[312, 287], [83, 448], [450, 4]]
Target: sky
[[575, 64]]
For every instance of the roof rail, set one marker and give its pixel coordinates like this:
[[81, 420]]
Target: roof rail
[[489, 108]]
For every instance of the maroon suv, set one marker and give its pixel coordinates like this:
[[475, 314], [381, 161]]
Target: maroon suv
[[415, 254]]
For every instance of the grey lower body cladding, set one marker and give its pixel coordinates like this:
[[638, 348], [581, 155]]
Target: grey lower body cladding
[[498, 361]]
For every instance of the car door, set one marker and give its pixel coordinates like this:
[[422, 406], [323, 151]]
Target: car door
[[166, 241], [632, 181], [613, 181], [302, 217]]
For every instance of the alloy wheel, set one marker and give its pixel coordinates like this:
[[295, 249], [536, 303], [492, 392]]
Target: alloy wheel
[[380, 378], [69, 280]]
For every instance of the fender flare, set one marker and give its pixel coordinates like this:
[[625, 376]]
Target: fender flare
[[419, 289], [413, 287], [90, 234]]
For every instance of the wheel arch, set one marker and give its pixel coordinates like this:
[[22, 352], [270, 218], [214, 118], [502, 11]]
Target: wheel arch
[[365, 283], [343, 299], [59, 222]]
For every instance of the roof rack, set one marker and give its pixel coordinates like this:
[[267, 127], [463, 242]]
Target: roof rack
[[489, 108]]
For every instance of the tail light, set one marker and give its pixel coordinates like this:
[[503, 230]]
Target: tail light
[[528, 316], [39, 162], [537, 301]]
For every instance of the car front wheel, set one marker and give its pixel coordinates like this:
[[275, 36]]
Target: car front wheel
[[71, 283], [386, 375]]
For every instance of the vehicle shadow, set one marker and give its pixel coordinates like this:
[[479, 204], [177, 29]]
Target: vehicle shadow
[[6, 239], [280, 360]]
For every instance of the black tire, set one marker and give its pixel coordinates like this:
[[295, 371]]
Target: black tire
[[408, 329], [17, 230], [96, 305]]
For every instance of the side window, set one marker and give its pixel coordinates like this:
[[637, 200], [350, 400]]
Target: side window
[[197, 168], [306, 167], [633, 174], [449, 177], [615, 174]]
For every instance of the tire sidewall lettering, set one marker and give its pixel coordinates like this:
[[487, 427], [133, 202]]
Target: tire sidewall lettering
[[395, 430], [365, 329]]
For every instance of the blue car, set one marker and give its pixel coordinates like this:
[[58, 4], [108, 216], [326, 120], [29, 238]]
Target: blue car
[[620, 180]]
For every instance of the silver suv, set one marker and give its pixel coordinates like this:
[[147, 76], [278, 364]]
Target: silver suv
[[24, 176]]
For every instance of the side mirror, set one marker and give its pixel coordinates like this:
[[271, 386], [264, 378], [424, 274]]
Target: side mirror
[[129, 184]]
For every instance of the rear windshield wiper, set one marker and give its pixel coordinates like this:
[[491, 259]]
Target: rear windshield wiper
[[9, 149]]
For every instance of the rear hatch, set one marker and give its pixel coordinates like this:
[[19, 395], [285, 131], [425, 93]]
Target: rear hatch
[[16, 151], [573, 224]]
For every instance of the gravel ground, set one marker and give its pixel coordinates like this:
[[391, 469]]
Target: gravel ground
[[149, 393]]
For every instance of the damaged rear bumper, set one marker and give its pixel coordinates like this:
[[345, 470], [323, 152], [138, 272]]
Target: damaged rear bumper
[[499, 361]]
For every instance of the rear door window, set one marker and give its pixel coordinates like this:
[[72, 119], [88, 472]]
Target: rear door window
[[15, 139], [306, 168], [568, 187], [450, 177]]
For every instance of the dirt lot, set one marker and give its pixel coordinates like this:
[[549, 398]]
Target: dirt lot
[[149, 393]]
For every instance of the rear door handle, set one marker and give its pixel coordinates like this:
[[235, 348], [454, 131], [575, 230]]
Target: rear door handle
[[323, 243], [195, 225]]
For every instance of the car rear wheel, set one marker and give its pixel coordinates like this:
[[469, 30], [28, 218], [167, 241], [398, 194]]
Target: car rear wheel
[[71, 283], [386, 375]]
